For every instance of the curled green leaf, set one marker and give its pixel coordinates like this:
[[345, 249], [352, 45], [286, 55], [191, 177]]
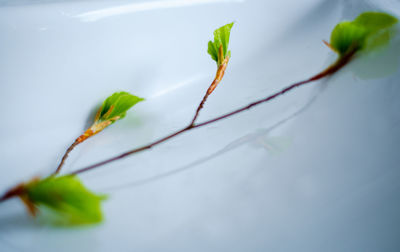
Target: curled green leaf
[[66, 197], [220, 44], [113, 109], [367, 31], [347, 36], [116, 106]]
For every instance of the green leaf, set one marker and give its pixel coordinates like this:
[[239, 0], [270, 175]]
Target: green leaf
[[375, 21], [116, 106], [212, 51], [347, 36], [367, 31], [221, 38], [113, 109], [67, 197]]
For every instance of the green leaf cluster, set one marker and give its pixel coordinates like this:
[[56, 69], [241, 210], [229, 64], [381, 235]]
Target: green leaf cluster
[[67, 197], [221, 38], [116, 106], [368, 30]]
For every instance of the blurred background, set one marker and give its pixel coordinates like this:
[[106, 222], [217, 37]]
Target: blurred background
[[315, 170]]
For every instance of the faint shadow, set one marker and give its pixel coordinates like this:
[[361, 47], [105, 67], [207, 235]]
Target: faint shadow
[[17, 221], [379, 63], [231, 146], [9, 244]]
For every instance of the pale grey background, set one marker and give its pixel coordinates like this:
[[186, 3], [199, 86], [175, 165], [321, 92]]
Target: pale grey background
[[315, 170]]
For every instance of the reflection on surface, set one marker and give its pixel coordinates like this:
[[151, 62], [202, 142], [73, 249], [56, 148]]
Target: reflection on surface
[[171, 88], [145, 6], [379, 63]]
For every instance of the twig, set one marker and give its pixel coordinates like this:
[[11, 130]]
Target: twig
[[93, 130], [13, 192], [218, 77], [342, 61], [19, 189], [66, 156]]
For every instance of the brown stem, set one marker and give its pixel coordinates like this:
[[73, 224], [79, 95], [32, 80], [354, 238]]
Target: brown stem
[[199, 108], [20, 191], [133, 151], [342, 61], [330, 70], [218, 77], [93, 130], [66, 156], [13, 192]]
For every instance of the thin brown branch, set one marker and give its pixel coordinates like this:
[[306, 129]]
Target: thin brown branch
[[13, 192], [218, 77], [98, 127], [149, 146], [330, 70], [93, 130], [66, 156]]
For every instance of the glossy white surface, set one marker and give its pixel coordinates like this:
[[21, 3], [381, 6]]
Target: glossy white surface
[[315, 170]]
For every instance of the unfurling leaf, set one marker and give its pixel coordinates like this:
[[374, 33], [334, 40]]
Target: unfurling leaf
[[347, 36], [368, 30], [66, 197], [116, 106], [113, 109], [219, 48]]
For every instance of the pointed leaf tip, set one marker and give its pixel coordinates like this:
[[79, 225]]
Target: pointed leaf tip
[[221, 38], [116, 106]]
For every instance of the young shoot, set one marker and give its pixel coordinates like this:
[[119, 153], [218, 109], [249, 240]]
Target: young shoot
[[114, 108], [68, 198]]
